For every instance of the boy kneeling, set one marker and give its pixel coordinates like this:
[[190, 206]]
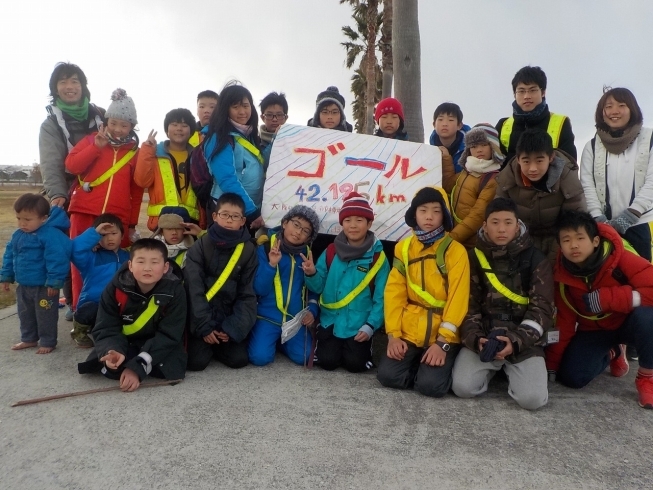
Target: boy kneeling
[[510, 308], [140, 322]]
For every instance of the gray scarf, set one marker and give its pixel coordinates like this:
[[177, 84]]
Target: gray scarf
[[616, 142], [348, 252]]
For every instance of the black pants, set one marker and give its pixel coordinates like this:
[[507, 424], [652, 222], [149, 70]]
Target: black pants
[[640, 238], [93, 365], [333, 352], [231, 354], [432, 381], [86, 313]]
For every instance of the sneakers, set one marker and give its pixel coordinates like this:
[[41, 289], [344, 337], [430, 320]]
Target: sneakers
[[618, 363], [79, 334], [644, 386], [631, 353], [69, 314]]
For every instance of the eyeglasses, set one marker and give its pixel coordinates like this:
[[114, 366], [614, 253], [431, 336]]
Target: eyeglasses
[[272, 117], [298, 226], [334, 112], [530, 91], [234, 217]]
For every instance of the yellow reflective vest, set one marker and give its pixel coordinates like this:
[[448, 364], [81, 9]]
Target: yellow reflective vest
[[171, 195], [554, 129]]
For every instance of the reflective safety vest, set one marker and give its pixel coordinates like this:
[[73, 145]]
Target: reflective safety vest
[[142, 319], [195, 139], [179, 259], [171, 195], [224, 275], [439, 260], [87, 186], [485, 265], [358, 289], [554, 129], [278, 291], [249, 147]]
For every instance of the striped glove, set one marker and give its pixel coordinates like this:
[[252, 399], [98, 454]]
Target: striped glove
[[593, 301]]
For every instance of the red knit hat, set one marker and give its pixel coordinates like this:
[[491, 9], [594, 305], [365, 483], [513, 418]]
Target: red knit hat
[[389, 105], [355, 205]]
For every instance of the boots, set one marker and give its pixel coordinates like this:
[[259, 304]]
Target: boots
[[79, 334]]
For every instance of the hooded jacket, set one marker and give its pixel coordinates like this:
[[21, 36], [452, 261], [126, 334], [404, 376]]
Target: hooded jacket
[[615, 298], [539, 209], [40, 258], [490, 310]]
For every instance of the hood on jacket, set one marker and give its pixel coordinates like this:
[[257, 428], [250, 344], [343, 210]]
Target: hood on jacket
[[561, 165], [58, 219], [162, 149], [124, 279], [422, 197], [514, 248]]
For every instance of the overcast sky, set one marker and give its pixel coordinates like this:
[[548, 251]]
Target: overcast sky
[[163, 52]]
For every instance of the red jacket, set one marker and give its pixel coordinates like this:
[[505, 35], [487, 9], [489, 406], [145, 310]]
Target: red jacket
[[616, 298], [118, 195]]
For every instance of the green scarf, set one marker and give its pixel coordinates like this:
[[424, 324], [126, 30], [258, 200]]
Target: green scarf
[[79, 112]]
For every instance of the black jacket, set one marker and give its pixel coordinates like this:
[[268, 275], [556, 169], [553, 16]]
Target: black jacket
[[233, 309]]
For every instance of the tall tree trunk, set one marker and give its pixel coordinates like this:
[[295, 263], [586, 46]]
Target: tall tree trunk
[[385, 46], [406, 65], [370, 59]]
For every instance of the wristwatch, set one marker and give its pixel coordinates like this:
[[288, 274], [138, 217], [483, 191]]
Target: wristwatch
[[445, 346]]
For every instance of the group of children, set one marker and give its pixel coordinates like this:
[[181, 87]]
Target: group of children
[[470, 292]]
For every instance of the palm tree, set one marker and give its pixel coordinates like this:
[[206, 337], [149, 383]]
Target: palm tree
[[385, 46]]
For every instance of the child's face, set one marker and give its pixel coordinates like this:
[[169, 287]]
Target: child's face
[[482, 152], [389, 124], [173, 236], [111, 239], [229, 216], [148, 267], [118, 128], [241, 112], [429, 216], [29, 221], [273, 116], [616, 114], [576, 245], [447, 125], [69, 90], [205, 107], [501, 227], [330, 116], [296, 231], [534, 165], [529, 96], [355, 228], [178, 133]]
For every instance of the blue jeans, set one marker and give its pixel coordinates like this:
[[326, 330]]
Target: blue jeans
[[265, 336], [588, 353]]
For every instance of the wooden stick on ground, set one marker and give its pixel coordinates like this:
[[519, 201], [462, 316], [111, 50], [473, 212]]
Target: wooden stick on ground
[[170, 382]]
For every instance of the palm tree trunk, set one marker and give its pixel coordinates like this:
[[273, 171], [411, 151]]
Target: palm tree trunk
[[370, 69], [406, 65], [385, 46]]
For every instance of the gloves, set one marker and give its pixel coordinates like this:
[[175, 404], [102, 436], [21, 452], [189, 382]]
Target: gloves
[[593, 301], [134, 235], [624, 221], [492, 346], [601, 218]]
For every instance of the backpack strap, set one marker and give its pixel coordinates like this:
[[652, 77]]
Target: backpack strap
[[486, 179], [619, 276], [330, 255], [440, 260], [207, 250]]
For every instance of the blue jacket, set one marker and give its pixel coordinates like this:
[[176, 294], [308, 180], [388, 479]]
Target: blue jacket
[[97, 268], [40, 258], [236, 170], [434, 140], [364, 313], [264, 287]]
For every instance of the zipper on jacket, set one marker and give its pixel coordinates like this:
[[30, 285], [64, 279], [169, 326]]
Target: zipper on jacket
[[106, 198]]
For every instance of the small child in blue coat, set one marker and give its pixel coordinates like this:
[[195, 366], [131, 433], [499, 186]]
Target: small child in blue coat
[[351, 278], [37, 257], [279, 286], [98, 256]]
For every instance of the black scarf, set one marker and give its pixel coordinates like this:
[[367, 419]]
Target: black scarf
[[223, 238], [453, 148], [592, 264], [532, 116], [287, 248], [348, 252]]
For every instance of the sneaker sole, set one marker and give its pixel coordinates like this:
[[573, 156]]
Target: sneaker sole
[[648, 406]]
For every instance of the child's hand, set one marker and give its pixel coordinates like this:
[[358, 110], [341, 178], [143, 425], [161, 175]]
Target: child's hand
[[112, 359], [5, 286], [191, 229], [445, 152], [361, 337], [58, 202], [103, 228], [151, 139], [102, 137], [434, 356], [396, 348], [222, 337], [275, 254], [129, 380], [507, 350], [53, 292], [134, 235], [308, 266], [308, 319], [257, 223], [212, 338], [481, 343]]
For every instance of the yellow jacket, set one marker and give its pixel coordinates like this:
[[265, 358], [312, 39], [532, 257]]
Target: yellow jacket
[[406, 314]]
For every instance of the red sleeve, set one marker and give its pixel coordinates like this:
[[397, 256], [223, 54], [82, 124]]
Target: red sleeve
[[136, 193], [82, 156], [566, 325]]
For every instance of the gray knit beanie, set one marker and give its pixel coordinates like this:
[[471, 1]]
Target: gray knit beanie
[[480, 134], [122, 107], [304, 212]]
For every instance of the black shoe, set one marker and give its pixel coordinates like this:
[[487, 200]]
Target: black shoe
[[631, 353]]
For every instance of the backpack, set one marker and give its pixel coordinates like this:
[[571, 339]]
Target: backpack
[[201, 179], [331, 253]]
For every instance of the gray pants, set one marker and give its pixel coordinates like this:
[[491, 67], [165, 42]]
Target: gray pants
[[38, 314], [527, 379]]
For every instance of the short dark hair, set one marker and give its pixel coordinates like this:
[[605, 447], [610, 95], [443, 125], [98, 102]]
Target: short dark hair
[[208, 94], [274, 98], [534, 141], [529, 75], [501, 204], [179, 116], [32, 203], [577, 220], [148, 244], [624, 96], [448, 108], [66, 70], [111, 219], [230, 198]]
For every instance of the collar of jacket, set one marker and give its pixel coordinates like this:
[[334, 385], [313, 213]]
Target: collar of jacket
[[512, 249]]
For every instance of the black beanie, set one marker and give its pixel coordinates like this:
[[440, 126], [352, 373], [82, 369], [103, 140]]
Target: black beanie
[[426, 195]]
